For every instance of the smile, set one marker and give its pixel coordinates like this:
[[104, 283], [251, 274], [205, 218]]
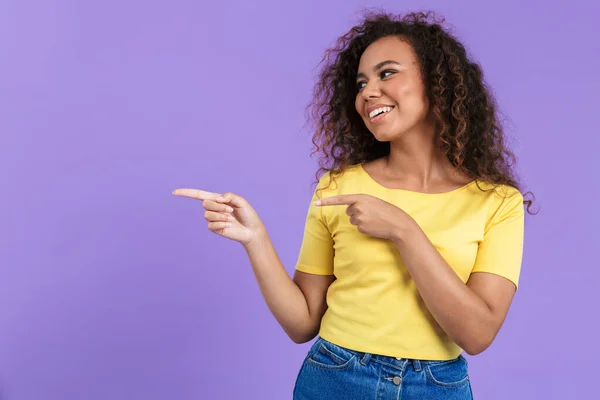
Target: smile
[[379, 113]]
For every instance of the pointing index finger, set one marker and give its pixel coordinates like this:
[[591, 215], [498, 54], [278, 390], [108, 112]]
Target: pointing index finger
[[196, 194], [343, 199]]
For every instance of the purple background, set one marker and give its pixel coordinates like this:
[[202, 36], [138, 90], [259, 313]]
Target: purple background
[[110, 288]]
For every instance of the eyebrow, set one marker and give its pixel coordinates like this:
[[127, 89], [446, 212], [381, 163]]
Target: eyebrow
[[378, 66]]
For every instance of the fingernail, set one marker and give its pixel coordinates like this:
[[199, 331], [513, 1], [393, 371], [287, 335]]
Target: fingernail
[[229, 209], [220, 198], [318, 203]]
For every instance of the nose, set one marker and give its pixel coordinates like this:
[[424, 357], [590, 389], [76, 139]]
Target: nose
[[371, 90]]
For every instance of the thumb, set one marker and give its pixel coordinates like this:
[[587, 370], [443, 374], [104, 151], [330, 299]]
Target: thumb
[[232, 199]]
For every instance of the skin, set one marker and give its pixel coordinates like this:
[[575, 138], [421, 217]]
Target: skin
[[299, 304], [472, 313]]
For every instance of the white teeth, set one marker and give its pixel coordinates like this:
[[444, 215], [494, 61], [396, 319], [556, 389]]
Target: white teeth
[[379, 111]]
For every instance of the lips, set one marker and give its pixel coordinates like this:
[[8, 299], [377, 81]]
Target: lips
[[376, 106], [378, 112]]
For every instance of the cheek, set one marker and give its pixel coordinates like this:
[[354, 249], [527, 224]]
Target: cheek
[[420, 97], [358, 104], [414, 99], [421, 102]]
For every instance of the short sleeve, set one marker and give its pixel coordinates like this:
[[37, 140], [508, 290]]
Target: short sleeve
[[501, 250], [316, 252]]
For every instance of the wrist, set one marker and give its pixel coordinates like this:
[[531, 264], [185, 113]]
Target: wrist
[[404, 229], [257, 239]]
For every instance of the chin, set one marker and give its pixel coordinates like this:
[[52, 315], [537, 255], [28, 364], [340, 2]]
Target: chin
[[383, 136]]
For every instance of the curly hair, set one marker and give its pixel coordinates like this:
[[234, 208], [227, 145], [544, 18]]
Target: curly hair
[[461, 103]]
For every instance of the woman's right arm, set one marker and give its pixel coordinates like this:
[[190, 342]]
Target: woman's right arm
[[299, 304]]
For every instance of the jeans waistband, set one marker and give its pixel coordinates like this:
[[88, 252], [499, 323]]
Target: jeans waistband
[[395, 362]]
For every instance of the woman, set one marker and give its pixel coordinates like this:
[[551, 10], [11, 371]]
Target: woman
[[413, 243]]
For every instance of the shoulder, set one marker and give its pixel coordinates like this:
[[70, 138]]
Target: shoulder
[[333, 181], [501, 200], [500, 193]]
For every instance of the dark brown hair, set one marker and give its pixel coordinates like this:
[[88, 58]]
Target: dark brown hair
[[461, 103]]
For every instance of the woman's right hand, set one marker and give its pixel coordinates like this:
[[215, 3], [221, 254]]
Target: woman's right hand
[[228, 215]]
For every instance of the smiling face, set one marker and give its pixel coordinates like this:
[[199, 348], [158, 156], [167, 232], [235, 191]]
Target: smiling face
[[391, 97]]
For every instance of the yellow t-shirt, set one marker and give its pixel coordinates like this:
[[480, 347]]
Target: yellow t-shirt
[[373, 305]]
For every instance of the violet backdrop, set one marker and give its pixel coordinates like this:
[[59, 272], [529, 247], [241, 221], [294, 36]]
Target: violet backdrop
[[111, 288]]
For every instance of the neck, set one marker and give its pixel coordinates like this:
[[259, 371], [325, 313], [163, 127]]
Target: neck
[[418, 158]]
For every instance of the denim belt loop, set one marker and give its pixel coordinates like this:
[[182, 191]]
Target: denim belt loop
[[364, 360], [416, 365]]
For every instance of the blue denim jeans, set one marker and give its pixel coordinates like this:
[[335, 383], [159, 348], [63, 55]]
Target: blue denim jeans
[[332, 372]]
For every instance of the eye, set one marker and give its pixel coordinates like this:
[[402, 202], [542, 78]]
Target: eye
[[382, 75], [386, 73]]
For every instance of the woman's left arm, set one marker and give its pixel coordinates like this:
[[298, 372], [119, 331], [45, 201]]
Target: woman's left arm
[[471, 314]]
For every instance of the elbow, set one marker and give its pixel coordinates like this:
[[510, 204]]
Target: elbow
[[301, 337], [473, 350], [477, 345], [476, 341]]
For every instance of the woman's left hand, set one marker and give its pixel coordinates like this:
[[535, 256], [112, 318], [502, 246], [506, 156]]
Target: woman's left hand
[[372, 216]]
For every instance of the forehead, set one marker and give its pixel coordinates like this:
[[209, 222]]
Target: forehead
[[387, 48]]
